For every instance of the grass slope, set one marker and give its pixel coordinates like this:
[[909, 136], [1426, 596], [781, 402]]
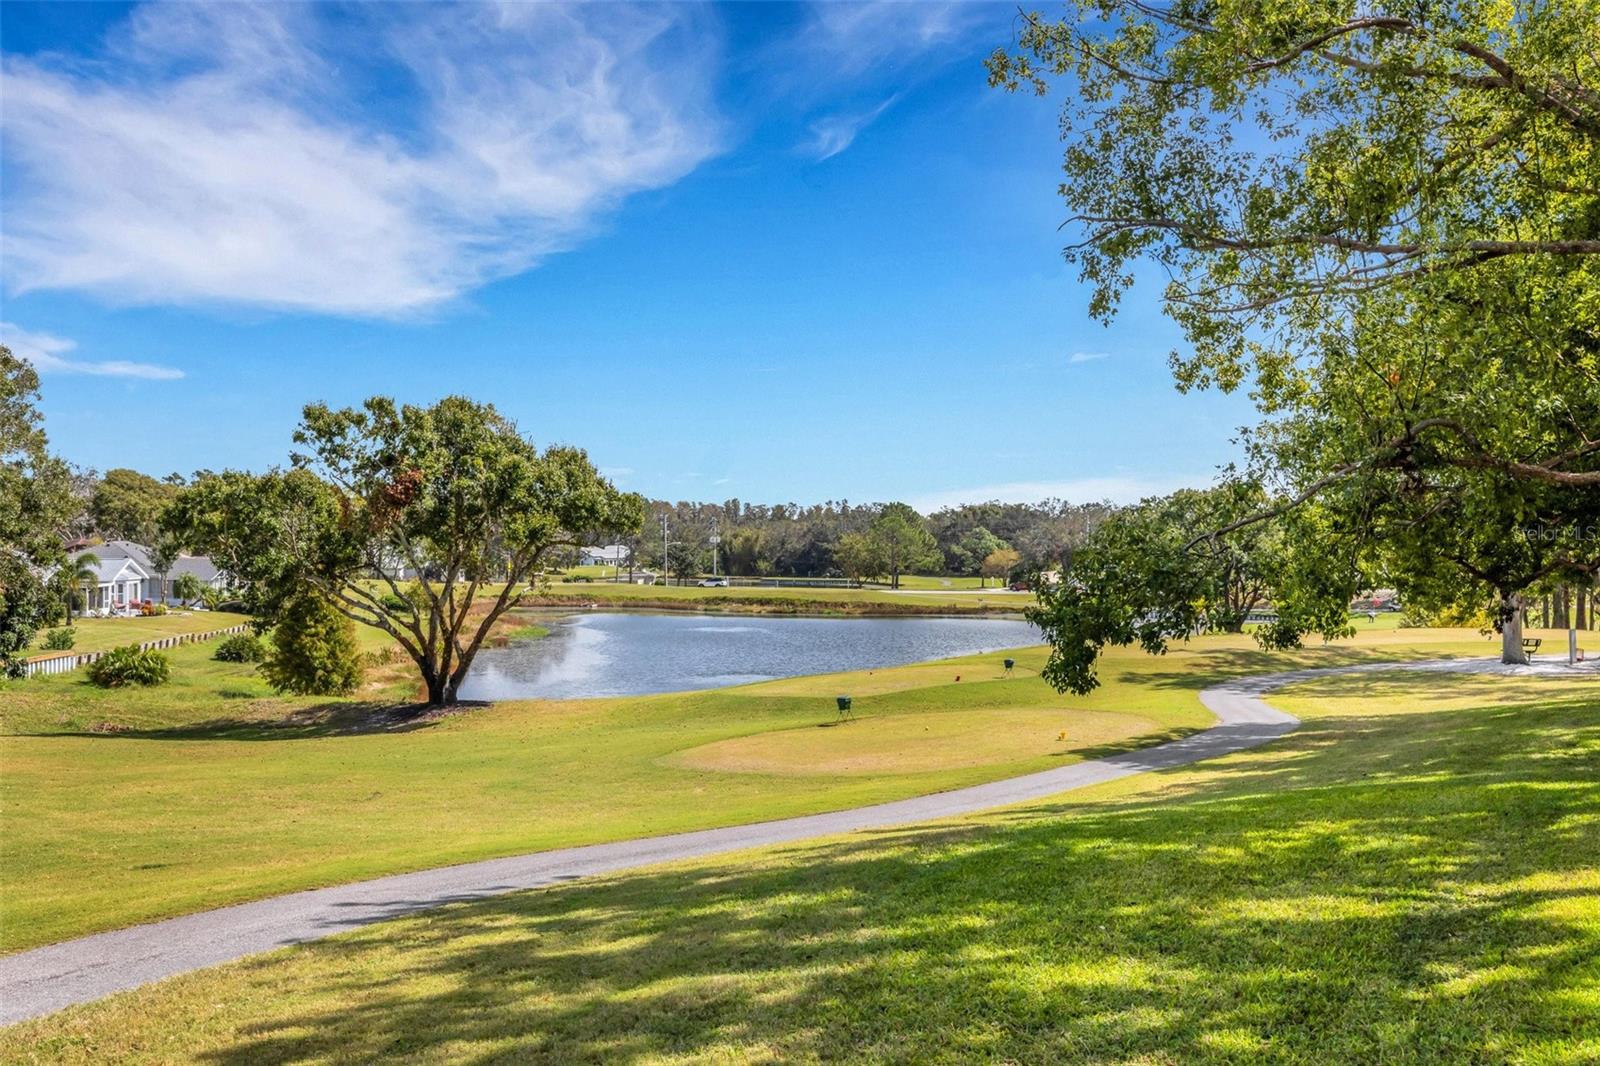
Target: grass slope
[[100, 634], [126, 806], [1412, 877], [787, 600]]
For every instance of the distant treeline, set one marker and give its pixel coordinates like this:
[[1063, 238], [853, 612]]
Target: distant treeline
[[791, 540], [780, 540]]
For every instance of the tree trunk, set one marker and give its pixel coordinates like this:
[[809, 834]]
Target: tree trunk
[[1583, 609], [438, 691], [1511, 629]]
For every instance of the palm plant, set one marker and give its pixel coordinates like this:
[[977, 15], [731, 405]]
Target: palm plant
[[187, 588], [81, 576]]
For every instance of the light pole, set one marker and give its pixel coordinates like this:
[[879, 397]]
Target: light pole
[[716, 539], [666, 578]]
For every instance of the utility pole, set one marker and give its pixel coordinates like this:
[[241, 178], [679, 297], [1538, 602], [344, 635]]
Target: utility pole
[[716, 539], [666, 579]]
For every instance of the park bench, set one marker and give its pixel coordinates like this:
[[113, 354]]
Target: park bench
[[1531, 645]]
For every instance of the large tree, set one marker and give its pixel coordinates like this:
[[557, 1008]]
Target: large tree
[[36, 504], [1386, 219], [903, 542], [128, 505], [428, 523]]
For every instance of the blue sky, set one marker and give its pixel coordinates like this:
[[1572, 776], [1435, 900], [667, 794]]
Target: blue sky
[[773, 252]]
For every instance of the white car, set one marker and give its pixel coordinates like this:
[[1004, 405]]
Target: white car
[[714, 583]]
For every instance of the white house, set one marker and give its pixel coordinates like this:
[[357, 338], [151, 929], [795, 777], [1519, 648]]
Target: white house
[[609, 555], [132, 551], [119, 585]]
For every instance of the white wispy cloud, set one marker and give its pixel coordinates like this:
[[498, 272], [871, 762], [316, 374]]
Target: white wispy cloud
[[48, 353], [1078, 490], [832, 134], [1087, 357], [856, 37], [616, 473], [232, 153]]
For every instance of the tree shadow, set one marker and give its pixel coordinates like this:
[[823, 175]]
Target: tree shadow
[[1418, 888], [333, 719], [1203, 668]]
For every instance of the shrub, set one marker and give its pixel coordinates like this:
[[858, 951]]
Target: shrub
[[313, 650], [130, 665], [241, 648], [391, 602], [61, 639]]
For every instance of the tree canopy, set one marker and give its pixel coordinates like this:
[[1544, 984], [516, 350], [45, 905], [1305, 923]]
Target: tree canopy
[[36, 503], [1149, 575], [1386, 220], [128, 505], [425, 522]]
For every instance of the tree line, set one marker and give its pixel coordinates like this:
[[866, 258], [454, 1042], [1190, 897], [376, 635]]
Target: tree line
[[861, 541]]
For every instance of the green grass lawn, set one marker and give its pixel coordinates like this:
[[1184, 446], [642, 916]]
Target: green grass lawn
[[128, 805], [100, 634], [1412, 877]]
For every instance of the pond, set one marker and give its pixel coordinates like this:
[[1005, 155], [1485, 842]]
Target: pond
[[635, 654]]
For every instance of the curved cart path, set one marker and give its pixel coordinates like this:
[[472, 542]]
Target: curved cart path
[[46, 979]]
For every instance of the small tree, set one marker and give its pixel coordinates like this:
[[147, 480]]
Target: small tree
[[188, 588], [683, 560], [313, 650], [904, 541], [859, 557], [999, 563], [163, 553], [973, 548]]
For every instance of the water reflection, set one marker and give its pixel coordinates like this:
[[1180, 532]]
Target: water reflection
[[633, 654]]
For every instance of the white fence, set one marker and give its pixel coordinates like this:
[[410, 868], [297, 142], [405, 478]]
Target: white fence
[[66, 661]]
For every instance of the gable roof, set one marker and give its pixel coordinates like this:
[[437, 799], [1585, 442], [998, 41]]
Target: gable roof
[[107, 571], [199, 565]]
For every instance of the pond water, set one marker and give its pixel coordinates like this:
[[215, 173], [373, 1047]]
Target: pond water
[[634, 654]]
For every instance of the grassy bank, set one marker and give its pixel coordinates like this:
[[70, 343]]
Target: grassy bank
[[1412, 877], [130, 805], [102, 634], [784, 600]]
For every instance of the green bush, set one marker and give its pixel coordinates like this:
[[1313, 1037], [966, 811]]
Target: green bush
[[241, 648], [391, 602], [60, 639], [130, 665], [314, 651]]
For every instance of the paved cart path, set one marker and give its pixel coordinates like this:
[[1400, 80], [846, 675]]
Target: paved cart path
[[46, 979]]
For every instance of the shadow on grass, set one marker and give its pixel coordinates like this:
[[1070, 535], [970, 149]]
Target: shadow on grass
[[1202, 668], [322, 720], [1407, 888]]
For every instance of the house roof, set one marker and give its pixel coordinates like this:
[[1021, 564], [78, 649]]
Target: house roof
[[199, 565], [610, 553], [107, 571]]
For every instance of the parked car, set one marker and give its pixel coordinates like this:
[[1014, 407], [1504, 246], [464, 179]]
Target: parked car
[[714, 583], [1019, 586]]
